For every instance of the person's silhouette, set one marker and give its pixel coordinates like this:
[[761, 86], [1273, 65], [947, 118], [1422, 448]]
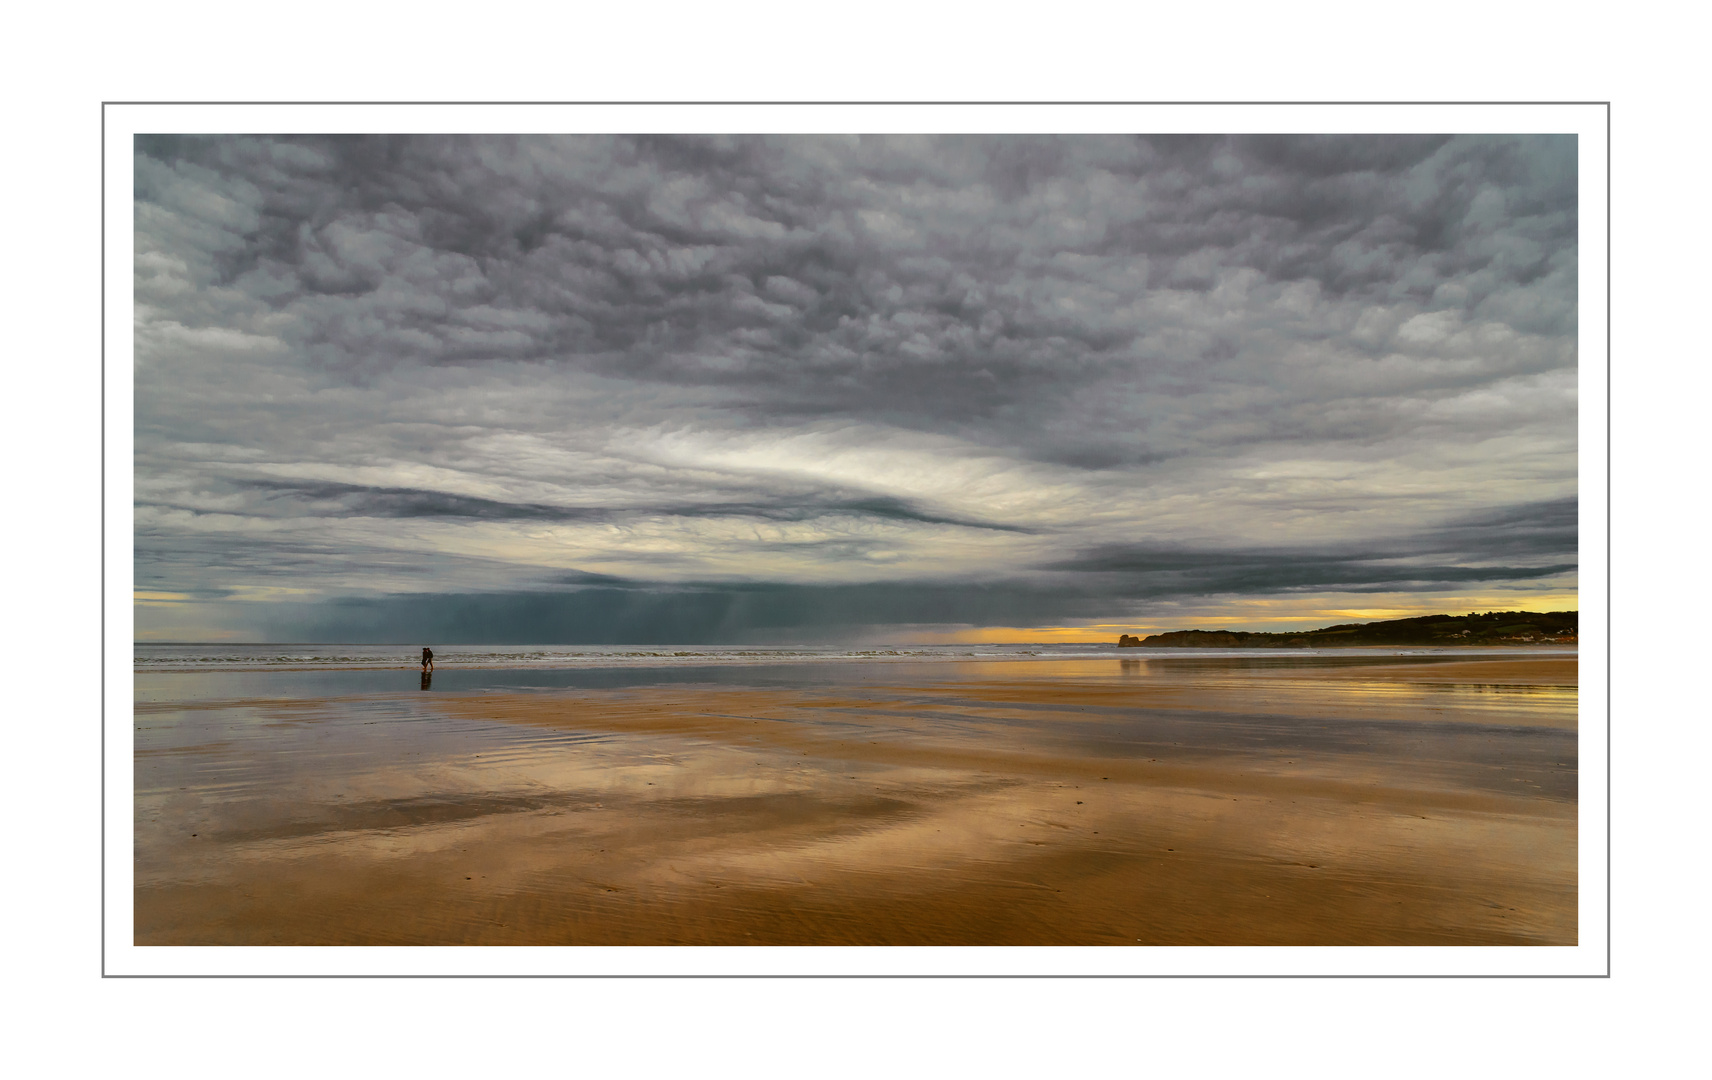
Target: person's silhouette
[[427, 659]]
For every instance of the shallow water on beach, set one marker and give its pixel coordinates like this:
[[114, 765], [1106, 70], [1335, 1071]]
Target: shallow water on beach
[[1364, 798]]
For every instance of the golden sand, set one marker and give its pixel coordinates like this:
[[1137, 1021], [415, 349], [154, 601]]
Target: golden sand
[[976, 811]]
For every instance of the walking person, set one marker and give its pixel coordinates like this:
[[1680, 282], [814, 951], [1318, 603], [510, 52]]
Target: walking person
[[427, 659]]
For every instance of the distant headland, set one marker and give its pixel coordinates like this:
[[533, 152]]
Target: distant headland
[[1491, 628]]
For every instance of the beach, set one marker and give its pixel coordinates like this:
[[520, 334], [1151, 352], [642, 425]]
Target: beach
[[1358, 797]]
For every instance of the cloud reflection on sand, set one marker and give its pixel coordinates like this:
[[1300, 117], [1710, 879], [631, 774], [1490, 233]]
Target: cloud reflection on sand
[[1056, 803]]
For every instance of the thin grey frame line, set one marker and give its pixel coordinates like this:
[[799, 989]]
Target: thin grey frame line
[[1607, 542], [1608, 562], [860, 104], [103, 264], [533, 975]]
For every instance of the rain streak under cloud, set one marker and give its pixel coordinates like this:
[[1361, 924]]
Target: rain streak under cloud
[[665, 389]]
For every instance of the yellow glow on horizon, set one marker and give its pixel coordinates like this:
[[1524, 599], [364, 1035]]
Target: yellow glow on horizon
[[1255, 614]]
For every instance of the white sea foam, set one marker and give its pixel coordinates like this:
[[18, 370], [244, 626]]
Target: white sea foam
[[203, 656]]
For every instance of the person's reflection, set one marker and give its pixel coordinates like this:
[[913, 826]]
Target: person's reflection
[[427, 679]]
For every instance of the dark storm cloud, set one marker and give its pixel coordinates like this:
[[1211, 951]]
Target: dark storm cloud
[[1548, 529], [712, 612], [1030, 375], [1543, 535], [687, 615], [1531, 530], [323, 499], [1340, 210], [965, 282]]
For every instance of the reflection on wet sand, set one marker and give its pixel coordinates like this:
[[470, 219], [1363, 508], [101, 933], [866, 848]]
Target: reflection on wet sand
[[1088, 802]]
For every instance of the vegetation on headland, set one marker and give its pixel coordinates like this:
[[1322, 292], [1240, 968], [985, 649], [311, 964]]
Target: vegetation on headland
[[1491, 628]]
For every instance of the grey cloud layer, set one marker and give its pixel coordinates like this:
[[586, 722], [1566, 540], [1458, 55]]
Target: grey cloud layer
[[1533, 532], [321, 499], [1109, 585], [1069, 345], [951, 282]]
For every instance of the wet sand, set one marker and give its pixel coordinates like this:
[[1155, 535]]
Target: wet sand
[[1157, 802]]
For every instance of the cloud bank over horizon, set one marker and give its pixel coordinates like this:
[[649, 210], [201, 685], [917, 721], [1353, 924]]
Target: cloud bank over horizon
[[825, 388]]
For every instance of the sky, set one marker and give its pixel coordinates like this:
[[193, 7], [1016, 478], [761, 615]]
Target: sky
[[658, 390]]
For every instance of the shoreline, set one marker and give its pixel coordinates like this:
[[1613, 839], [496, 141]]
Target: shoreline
[[751, 658]]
